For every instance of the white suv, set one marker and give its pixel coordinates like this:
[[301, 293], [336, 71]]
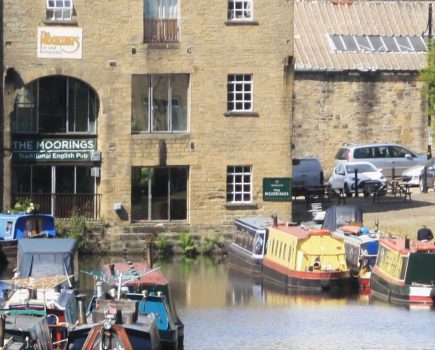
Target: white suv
[[391, 158]]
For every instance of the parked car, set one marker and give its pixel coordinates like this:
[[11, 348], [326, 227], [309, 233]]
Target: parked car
[[391, 158], [307, 173], [369, 178], [414, 176]]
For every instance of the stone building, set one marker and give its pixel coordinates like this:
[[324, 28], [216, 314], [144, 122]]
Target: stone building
[[151, 112], [356, 68]]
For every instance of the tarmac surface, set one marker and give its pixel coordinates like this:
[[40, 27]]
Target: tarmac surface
[[395, 214]]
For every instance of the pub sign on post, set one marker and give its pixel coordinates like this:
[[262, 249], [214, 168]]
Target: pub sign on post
[[277, 189]]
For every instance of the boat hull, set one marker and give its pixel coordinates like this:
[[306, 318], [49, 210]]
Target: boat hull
[[309, 280], [242, 260], [390, 291]]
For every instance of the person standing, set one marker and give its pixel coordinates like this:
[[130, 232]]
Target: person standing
[[424, 233]]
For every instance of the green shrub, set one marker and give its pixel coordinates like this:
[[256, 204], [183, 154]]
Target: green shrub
[[187, 244], [77, 229], [208, 243], [162, 245]]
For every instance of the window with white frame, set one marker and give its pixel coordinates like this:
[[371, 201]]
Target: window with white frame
[[59, 10], [159, 103], [240, 9], [239, 184], [239, 94]]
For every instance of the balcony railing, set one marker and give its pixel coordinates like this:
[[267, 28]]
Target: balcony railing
[[63, 206], [161, 30]]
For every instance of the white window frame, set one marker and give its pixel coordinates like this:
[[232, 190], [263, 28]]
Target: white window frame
[[243, 13], [239, 184], [59, 10], [240, 92]]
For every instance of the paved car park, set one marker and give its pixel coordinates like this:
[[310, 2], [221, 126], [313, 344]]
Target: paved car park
[[395, 214]]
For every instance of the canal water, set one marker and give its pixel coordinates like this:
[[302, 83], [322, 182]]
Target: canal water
[[224, 309]]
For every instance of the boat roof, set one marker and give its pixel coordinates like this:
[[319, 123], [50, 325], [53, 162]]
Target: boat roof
[[46, 245], [130, 270], [399, 244], [300, 232], [19, 215], [255, 222]]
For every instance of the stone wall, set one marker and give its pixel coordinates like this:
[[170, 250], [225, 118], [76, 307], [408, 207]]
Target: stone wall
[[335, 108], [210, 48]]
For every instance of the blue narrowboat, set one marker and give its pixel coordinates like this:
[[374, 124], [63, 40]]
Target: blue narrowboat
[[246, 251], [17, 226]]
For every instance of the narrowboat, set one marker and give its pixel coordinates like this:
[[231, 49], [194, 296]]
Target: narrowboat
[[306, 259], [47, 274], [115, 324], [14, 227], [404, 272], [24, 330], [150, 289], [361, 243], [246, 251]]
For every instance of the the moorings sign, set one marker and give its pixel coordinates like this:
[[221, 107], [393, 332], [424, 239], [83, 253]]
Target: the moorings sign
[[51, 150], [277, 189]]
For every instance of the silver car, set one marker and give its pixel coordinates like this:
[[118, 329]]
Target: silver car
[[414, 176], [391, 158]]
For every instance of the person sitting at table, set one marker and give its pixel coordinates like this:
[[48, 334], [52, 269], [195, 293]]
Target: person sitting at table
[[424, 234]]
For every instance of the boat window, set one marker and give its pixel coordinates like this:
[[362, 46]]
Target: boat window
[[280, 248]]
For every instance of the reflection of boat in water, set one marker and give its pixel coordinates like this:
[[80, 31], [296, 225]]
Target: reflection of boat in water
[[244, 289], [247, 249], [404, 272], [14, 227], [309, 259], [361, 244], [115, 324], [150, 289]]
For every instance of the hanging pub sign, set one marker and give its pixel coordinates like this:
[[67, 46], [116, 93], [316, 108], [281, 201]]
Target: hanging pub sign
[[277, 189], [42, 150]]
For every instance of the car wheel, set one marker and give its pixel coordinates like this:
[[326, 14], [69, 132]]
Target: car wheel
[[421, 185], [347, 191]]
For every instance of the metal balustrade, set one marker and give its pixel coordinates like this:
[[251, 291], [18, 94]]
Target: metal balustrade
[[161, 30], [63, 205]]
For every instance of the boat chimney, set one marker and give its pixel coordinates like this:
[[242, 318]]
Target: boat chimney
[[2, 330], [5, 293], [112, 269], [99, 286], [407, 242], [150, 254], [81, 308], [275, 220]]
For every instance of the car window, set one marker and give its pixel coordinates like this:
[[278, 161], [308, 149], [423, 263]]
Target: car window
[[306, 165], [342, 153], [360, 153], [381, 152], [361, 168], [398, 152]]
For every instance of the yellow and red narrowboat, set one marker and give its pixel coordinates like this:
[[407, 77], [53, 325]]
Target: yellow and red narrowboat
[[404, 272], [310, 259]]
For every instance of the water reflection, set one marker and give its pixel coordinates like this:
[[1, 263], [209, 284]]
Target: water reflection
[[225, 309]]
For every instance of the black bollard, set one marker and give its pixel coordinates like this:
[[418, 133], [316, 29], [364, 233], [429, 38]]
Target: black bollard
[[356, 182], [424, 180]]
